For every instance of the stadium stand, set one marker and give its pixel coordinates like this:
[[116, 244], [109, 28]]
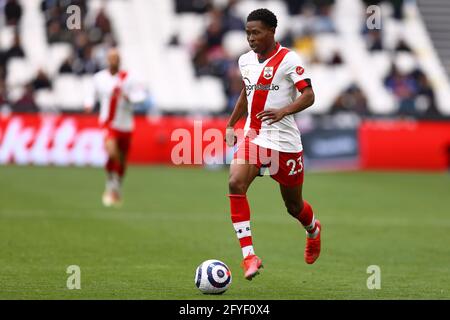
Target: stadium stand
[[185, 52]]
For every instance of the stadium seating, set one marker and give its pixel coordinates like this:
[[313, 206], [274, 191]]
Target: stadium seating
[[159, 45], [67, 92], [20, 72], [6, 37]]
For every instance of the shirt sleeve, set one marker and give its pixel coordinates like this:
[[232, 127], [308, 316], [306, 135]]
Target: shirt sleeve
[[135, 90], [240, 66], [296, 71]]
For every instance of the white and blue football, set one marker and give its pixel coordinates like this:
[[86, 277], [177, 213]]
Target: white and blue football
[[213, 277]]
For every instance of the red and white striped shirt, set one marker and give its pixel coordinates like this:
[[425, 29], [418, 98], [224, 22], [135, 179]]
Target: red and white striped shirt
[[273, 84], [115, 111]]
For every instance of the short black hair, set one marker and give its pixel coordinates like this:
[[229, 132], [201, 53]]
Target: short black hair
[[264, 15]]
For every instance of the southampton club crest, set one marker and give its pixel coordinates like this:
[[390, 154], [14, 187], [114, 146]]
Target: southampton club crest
[[268, 72]]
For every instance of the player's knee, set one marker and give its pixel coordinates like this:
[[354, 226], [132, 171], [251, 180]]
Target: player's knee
[[109, 148], [114, 156], [113, 153], [236, 186]]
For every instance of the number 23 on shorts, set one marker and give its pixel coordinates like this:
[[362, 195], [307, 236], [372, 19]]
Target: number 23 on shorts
[[296, 165]]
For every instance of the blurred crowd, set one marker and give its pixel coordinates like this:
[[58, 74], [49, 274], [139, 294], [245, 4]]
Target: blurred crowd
[[90, 45], [412, 90], [210, 58]]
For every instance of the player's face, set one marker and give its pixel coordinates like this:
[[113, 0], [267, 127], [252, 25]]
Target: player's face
[[114, 60], [259, 36]]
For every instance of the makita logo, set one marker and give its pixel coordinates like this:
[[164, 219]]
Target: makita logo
[[50, 140]]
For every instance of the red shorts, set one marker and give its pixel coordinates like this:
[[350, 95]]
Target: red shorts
[[284, 167], [123, 138]]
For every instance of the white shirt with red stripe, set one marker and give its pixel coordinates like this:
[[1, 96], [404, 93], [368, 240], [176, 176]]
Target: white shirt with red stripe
[[273, 84], [115, 112]]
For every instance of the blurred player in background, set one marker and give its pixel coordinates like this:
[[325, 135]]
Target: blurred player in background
[[272, 76], [117, 92]]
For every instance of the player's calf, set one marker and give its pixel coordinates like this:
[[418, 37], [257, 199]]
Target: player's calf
[[293, 208]]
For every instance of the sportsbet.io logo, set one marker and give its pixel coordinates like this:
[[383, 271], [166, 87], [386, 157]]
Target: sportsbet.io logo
[[264, 87]]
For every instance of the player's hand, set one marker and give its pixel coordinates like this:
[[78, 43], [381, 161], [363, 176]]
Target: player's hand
[[230, 137], [88, 109], [274, 115]]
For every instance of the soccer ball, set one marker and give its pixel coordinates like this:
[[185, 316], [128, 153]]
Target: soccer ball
[[213, 277]]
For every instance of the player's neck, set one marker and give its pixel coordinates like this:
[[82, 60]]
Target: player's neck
[[114, 71], [269, 52]]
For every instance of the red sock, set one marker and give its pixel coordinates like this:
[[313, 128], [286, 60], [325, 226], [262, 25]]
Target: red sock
[[121, 167], [115, 172], [240, 216], [306, 218], [109, 166]]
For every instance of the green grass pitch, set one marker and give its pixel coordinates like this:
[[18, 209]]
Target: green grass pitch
[[175, 218]]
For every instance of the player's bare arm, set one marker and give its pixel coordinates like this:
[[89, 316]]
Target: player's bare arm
[[239, 111], [301, 103]]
